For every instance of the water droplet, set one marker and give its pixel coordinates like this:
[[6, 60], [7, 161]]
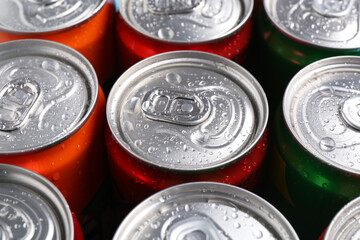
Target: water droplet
[[54, 128], [327, 144], [51, 65], [166, 33], [68, 83], [173, 78], [138, 143], [42, 125], [257, 234], [151, 149], [237, 225], [65, 117], [187, 207]]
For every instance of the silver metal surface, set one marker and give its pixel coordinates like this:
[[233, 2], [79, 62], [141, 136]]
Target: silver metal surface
[[47, 92], [31, 207], [323, 23], [345, 224], [187, 111], [321, 108], [44, 16], [190, 21], [204, 210]]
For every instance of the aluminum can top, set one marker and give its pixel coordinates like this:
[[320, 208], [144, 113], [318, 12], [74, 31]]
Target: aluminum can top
[[205, 210], [47, 92], [323, 23], [187, 111], [321, 109], [191, 21], [345, 224], [44, 16], [31, 207]]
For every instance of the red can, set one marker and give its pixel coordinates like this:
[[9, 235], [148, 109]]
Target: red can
[[52, 114], [151, 27], [185, 116], [86, 26], [33, 208]]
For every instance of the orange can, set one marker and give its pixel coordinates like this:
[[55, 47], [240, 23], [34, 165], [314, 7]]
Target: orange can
[[86, 26], [52, 114]]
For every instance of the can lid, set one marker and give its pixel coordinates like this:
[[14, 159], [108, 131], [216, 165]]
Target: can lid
[[47, 92], [346, 223], [191, 21], [42, 16], [31, 207], [187, 111], [204, 210], [321, 108], [323, 23]]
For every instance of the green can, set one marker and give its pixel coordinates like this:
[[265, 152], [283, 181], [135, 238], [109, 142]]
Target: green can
[[316, 158], [295, 33]]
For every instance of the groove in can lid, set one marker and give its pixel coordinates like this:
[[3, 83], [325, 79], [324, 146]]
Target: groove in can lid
[[47, 92], [31, 207], [41, 16], [346, 223], [322, 109], [205, 210], [190, 21], [322, 23], [187, 111]]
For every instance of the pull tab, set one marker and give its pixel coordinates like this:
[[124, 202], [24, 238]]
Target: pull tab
[[350, 112], [172, 6], [333, 8], [195, 227], [179, 107], [17, 98]]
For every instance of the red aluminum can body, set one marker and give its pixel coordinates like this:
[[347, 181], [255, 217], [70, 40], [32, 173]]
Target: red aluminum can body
[[78, 234], [94, 37], [134, 45], [140, 169], [69, 154], [137, 181]]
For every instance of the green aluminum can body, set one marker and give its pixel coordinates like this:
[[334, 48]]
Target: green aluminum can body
[[292, 34], [315, 158]]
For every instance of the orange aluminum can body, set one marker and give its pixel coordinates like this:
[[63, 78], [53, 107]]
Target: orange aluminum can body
[[74, 161], [94, 38]]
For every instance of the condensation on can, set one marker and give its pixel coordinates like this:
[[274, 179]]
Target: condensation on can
[[205, 210], [147, 28], [52, 113], [33, 208], [86, 26], [321, 23], [186, 116], [321, 109]]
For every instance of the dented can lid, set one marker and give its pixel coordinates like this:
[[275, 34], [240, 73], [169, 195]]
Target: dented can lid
[[187, 111], [323, 23], [42, 16], [31, 207], [321, 109], [191, 21], [204, 210], [345, 224], [47, 92]]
